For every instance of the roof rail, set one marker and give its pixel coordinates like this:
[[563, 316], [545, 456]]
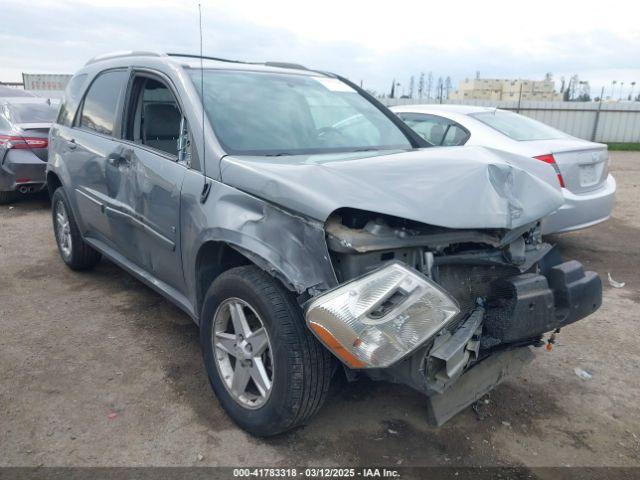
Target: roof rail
[[128, 53], [268, 64], [295, 66], [190, 55]]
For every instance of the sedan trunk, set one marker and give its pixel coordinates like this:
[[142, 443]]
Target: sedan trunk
[[37, 130], [584, 165]]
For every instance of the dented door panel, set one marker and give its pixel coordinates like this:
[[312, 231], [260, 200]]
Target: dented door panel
[[147, 187]]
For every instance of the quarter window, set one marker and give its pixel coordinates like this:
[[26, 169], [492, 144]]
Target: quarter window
[[70, 101], [101, 102]]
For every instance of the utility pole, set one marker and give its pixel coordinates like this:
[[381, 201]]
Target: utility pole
[[597, 119], [519, 98]]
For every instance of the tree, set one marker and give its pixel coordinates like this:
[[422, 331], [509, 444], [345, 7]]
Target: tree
[[429, 84], [570, 93], [447, 86], [421, 85], [439, 89], [412, 84], [584, 91], [393, 89]]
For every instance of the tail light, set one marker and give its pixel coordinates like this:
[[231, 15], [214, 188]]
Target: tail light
[[552, 161], [22, 143]]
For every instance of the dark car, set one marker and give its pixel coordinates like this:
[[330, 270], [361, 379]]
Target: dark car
[[10, 92], [303, 242], [24, 132]]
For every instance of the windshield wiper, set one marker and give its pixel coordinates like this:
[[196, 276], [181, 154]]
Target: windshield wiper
[[365, 150], [279, 154]]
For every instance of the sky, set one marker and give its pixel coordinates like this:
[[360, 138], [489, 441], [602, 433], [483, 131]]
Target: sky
[[369, 42]]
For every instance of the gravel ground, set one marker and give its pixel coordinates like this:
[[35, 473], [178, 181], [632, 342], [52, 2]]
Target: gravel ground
[[77, 348]]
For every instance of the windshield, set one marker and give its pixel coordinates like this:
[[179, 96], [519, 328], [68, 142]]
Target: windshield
[[32, 112], [517, 126], [258, 113]]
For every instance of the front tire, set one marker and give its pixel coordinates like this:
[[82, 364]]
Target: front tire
[[73, 250], [268, 371]]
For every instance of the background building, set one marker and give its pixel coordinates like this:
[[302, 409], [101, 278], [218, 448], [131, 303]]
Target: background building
[[505, 89], [46, 84]]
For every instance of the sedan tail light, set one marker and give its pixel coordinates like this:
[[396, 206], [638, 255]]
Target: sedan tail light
[[552, 161], [22, 143]]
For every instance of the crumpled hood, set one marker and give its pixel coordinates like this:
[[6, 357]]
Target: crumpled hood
[[454, 187]]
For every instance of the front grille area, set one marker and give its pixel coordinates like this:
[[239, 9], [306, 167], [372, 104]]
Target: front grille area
[[468, 282]]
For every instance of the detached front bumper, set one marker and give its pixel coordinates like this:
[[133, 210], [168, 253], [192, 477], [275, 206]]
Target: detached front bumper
[[21, 168], [414, 333], [582, 210]]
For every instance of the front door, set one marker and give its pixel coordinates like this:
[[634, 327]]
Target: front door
[[152, 127]]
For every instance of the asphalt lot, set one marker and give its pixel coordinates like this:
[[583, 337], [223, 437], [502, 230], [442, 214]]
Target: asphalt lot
[[76, 348]]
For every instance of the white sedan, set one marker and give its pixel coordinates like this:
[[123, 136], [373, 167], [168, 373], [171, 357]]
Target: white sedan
[[582, 166]]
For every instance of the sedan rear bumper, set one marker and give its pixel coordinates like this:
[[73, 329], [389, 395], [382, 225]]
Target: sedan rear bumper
[[583, 210], [21, 168]]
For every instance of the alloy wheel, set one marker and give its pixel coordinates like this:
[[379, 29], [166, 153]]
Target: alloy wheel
[[242, 353], [63, 229]]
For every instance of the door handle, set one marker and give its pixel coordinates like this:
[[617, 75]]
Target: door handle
[[72, 144]]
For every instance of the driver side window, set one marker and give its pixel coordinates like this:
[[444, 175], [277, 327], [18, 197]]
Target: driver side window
[[154, 119]]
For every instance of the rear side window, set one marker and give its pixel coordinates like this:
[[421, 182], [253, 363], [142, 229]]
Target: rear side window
[[71, 99], [32, 112], [101, 102], [436, 130], [517, 126]]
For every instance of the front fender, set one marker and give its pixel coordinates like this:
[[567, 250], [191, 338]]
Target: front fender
[[288, 246]]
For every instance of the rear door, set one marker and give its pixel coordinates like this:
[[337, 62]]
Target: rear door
[[436, 130], [152, 125], [88, 149]]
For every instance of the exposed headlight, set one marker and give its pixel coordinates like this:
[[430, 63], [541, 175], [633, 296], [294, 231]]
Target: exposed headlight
[[375, 320]]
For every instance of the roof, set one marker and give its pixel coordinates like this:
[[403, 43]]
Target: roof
[[14, 92], [461, 109], [17, 100]]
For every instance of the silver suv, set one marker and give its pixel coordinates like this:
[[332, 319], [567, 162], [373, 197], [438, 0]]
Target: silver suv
[[307, 230]]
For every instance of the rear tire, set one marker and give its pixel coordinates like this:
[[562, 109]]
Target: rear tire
[[298, 367], [73, 249], [6, 197]]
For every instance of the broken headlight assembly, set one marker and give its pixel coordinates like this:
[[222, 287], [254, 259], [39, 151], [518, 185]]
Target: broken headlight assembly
[[375, 320]]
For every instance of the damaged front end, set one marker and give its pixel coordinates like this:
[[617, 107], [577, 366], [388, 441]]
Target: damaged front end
[[449, 312]]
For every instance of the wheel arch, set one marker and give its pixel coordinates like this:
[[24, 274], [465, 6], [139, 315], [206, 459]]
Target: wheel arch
[[213, 258], [53, 183]]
